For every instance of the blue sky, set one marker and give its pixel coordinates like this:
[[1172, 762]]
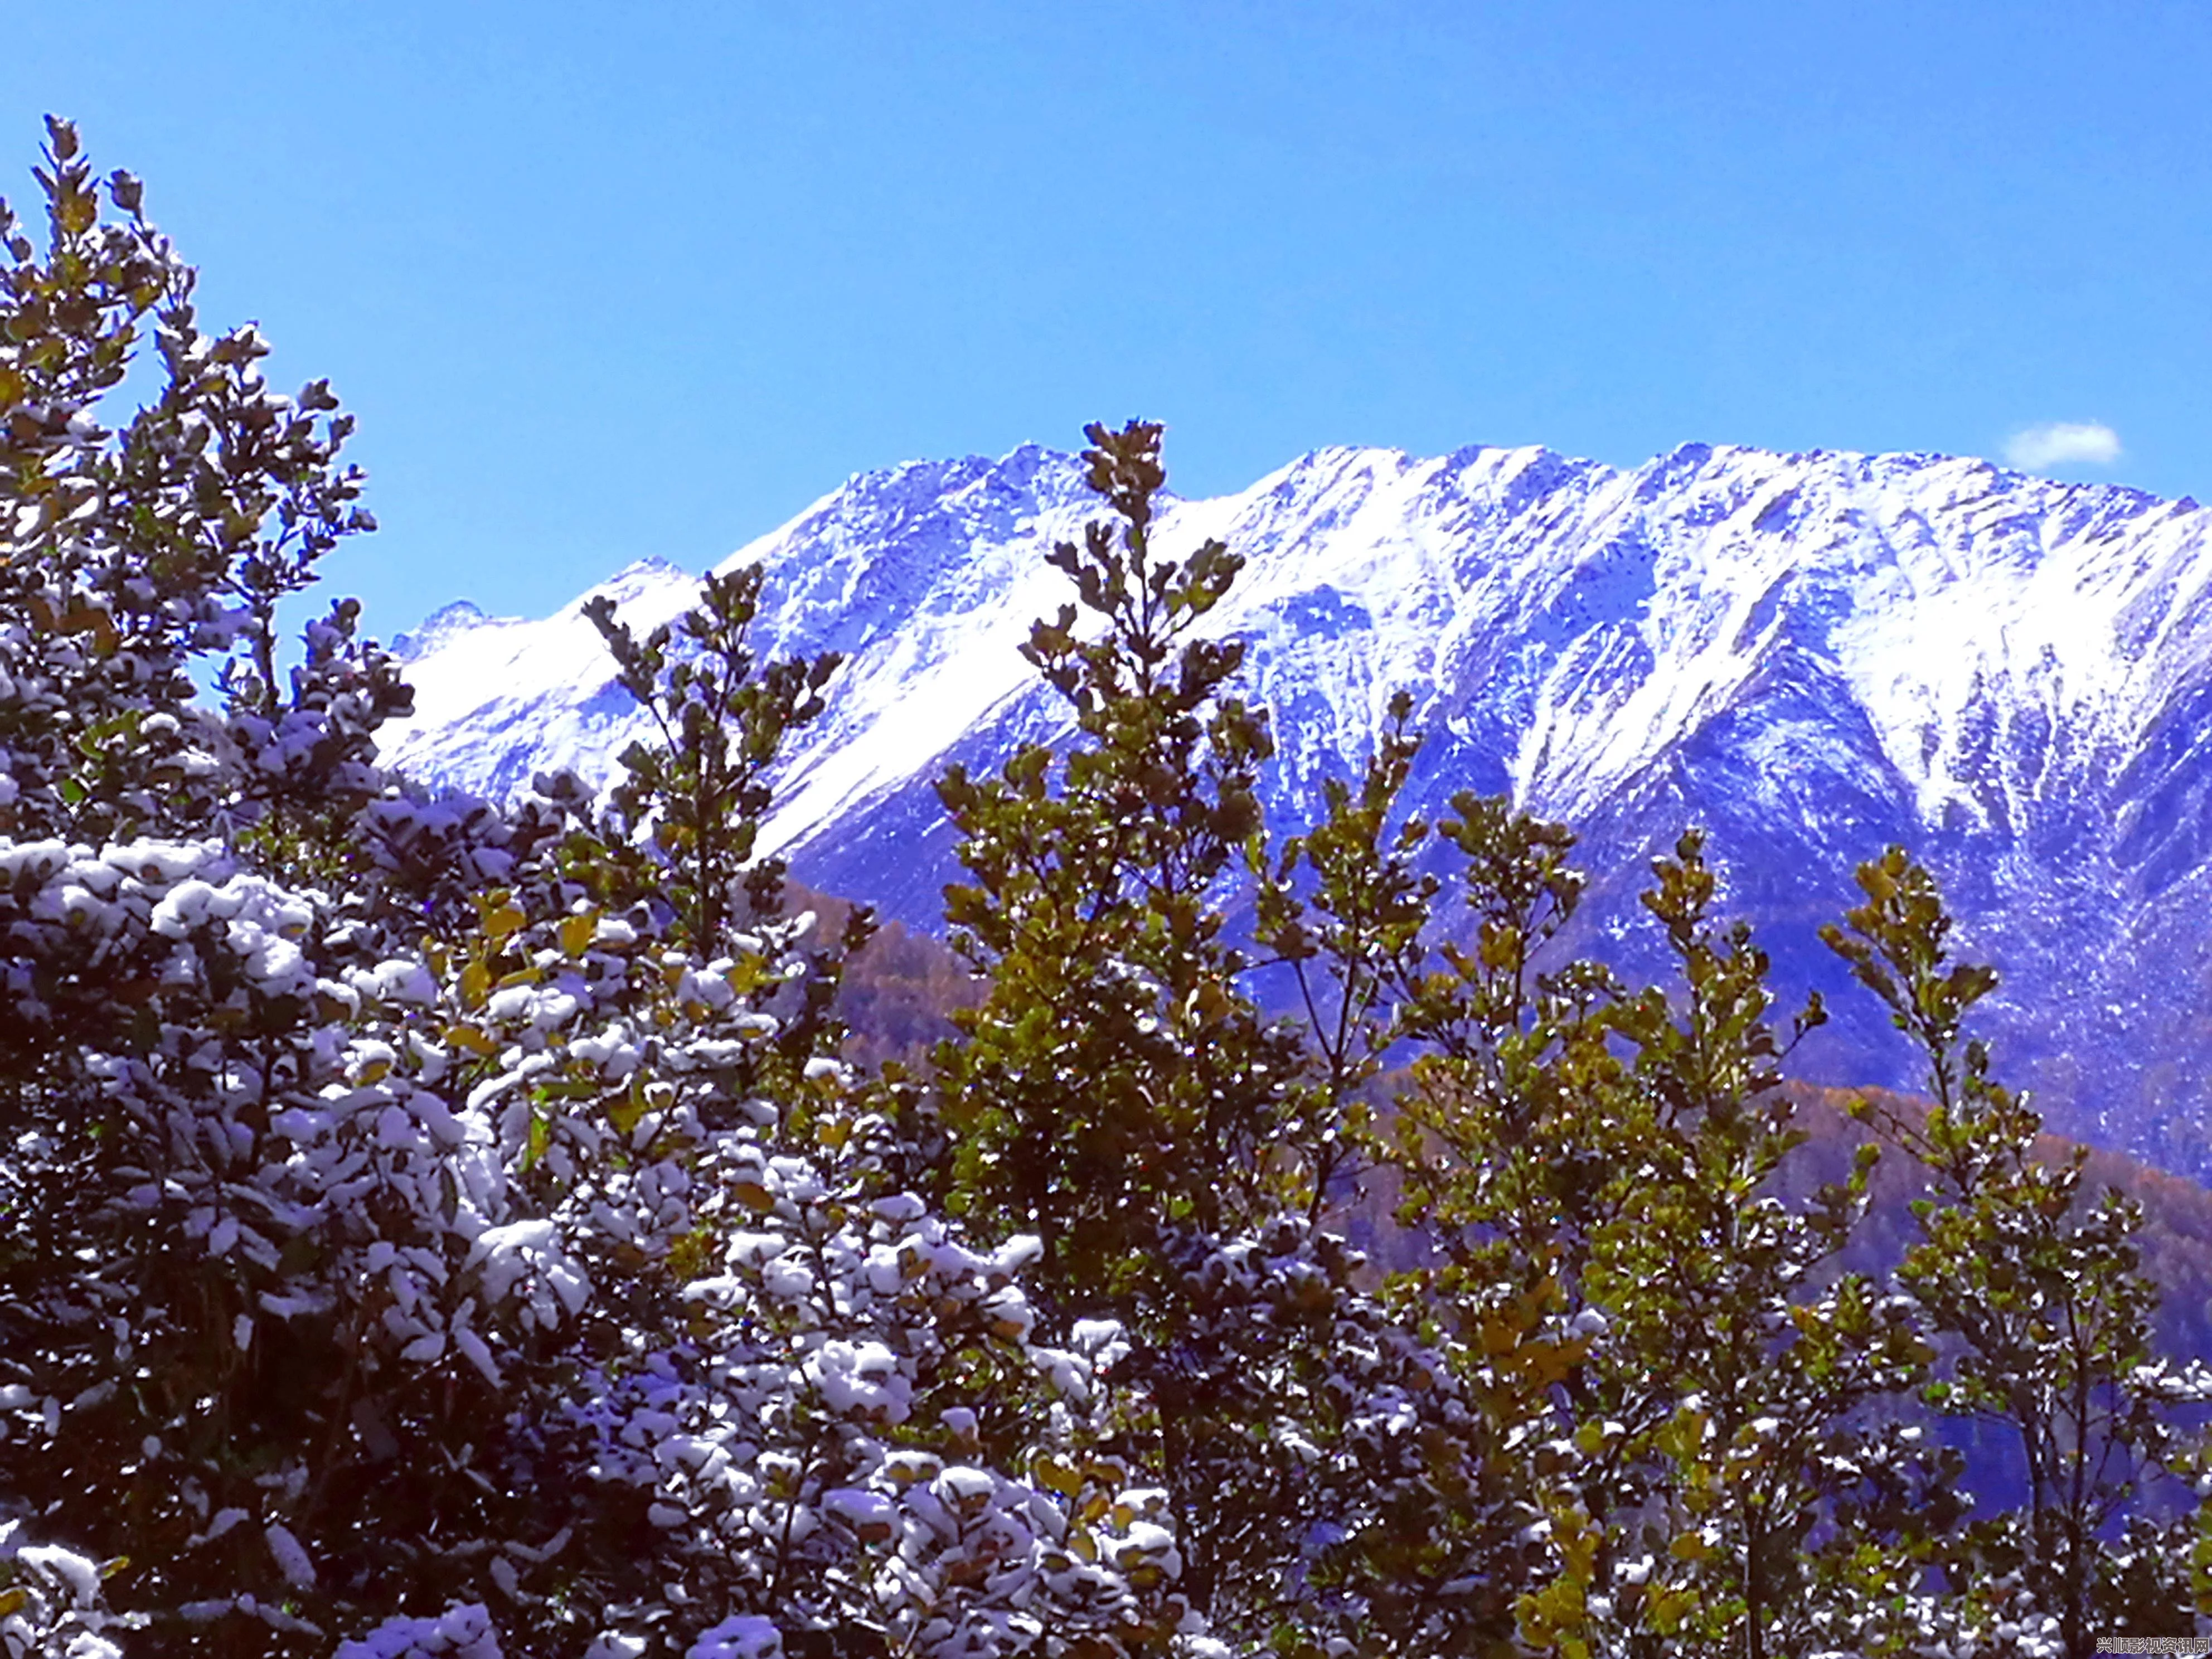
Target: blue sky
[[602, 282]]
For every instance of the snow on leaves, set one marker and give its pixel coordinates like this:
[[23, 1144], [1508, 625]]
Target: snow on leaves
[[383, 1158]]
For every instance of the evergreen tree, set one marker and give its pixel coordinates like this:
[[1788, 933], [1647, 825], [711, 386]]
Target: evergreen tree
[[1118, 1093], [2041, 1305], [422, 1218], [1593, 1164], [132, 554], [1114, 1086]]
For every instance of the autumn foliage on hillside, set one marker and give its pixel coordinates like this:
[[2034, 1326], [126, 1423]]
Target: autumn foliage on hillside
[[436, 1227]]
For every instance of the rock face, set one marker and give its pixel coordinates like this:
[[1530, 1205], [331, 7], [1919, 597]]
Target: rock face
[[1812, 655]]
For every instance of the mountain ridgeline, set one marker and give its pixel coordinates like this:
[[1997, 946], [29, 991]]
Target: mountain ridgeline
[[1812, 655]]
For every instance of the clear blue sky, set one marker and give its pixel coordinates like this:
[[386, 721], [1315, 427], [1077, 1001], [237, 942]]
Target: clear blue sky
[[607, 281]]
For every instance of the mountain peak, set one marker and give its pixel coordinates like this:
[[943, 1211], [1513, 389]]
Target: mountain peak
[[437, 629], [640, 579]]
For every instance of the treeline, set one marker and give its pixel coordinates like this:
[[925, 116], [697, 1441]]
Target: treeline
[[431, 1227]]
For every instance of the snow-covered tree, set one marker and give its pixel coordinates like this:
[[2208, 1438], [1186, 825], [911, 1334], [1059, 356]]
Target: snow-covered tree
[[424, 1227], [2038, 1298], [1120, 1096]]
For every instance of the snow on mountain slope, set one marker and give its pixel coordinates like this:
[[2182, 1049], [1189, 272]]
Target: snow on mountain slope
[[529, 696], [917, 575], [1813, 654]]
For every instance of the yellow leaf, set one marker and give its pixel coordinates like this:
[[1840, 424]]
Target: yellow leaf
[[1057, 1476], [908, 1467], [475, 982], [1668, 1606], [576, 933], [502, 922], [624, 1110], [13, 1601], [753, 1196], [1550, 1362], [469, 1037]]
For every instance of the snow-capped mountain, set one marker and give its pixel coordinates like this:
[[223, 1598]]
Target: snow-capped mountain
[[1813, 655]]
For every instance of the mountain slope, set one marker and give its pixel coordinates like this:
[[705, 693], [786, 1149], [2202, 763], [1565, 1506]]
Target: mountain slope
[[1812, 654]]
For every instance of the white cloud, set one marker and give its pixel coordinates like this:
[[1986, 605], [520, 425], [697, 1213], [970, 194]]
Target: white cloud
[[2063, 443]]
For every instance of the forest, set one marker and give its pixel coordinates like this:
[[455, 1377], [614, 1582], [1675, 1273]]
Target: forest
[[431, 1226]]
